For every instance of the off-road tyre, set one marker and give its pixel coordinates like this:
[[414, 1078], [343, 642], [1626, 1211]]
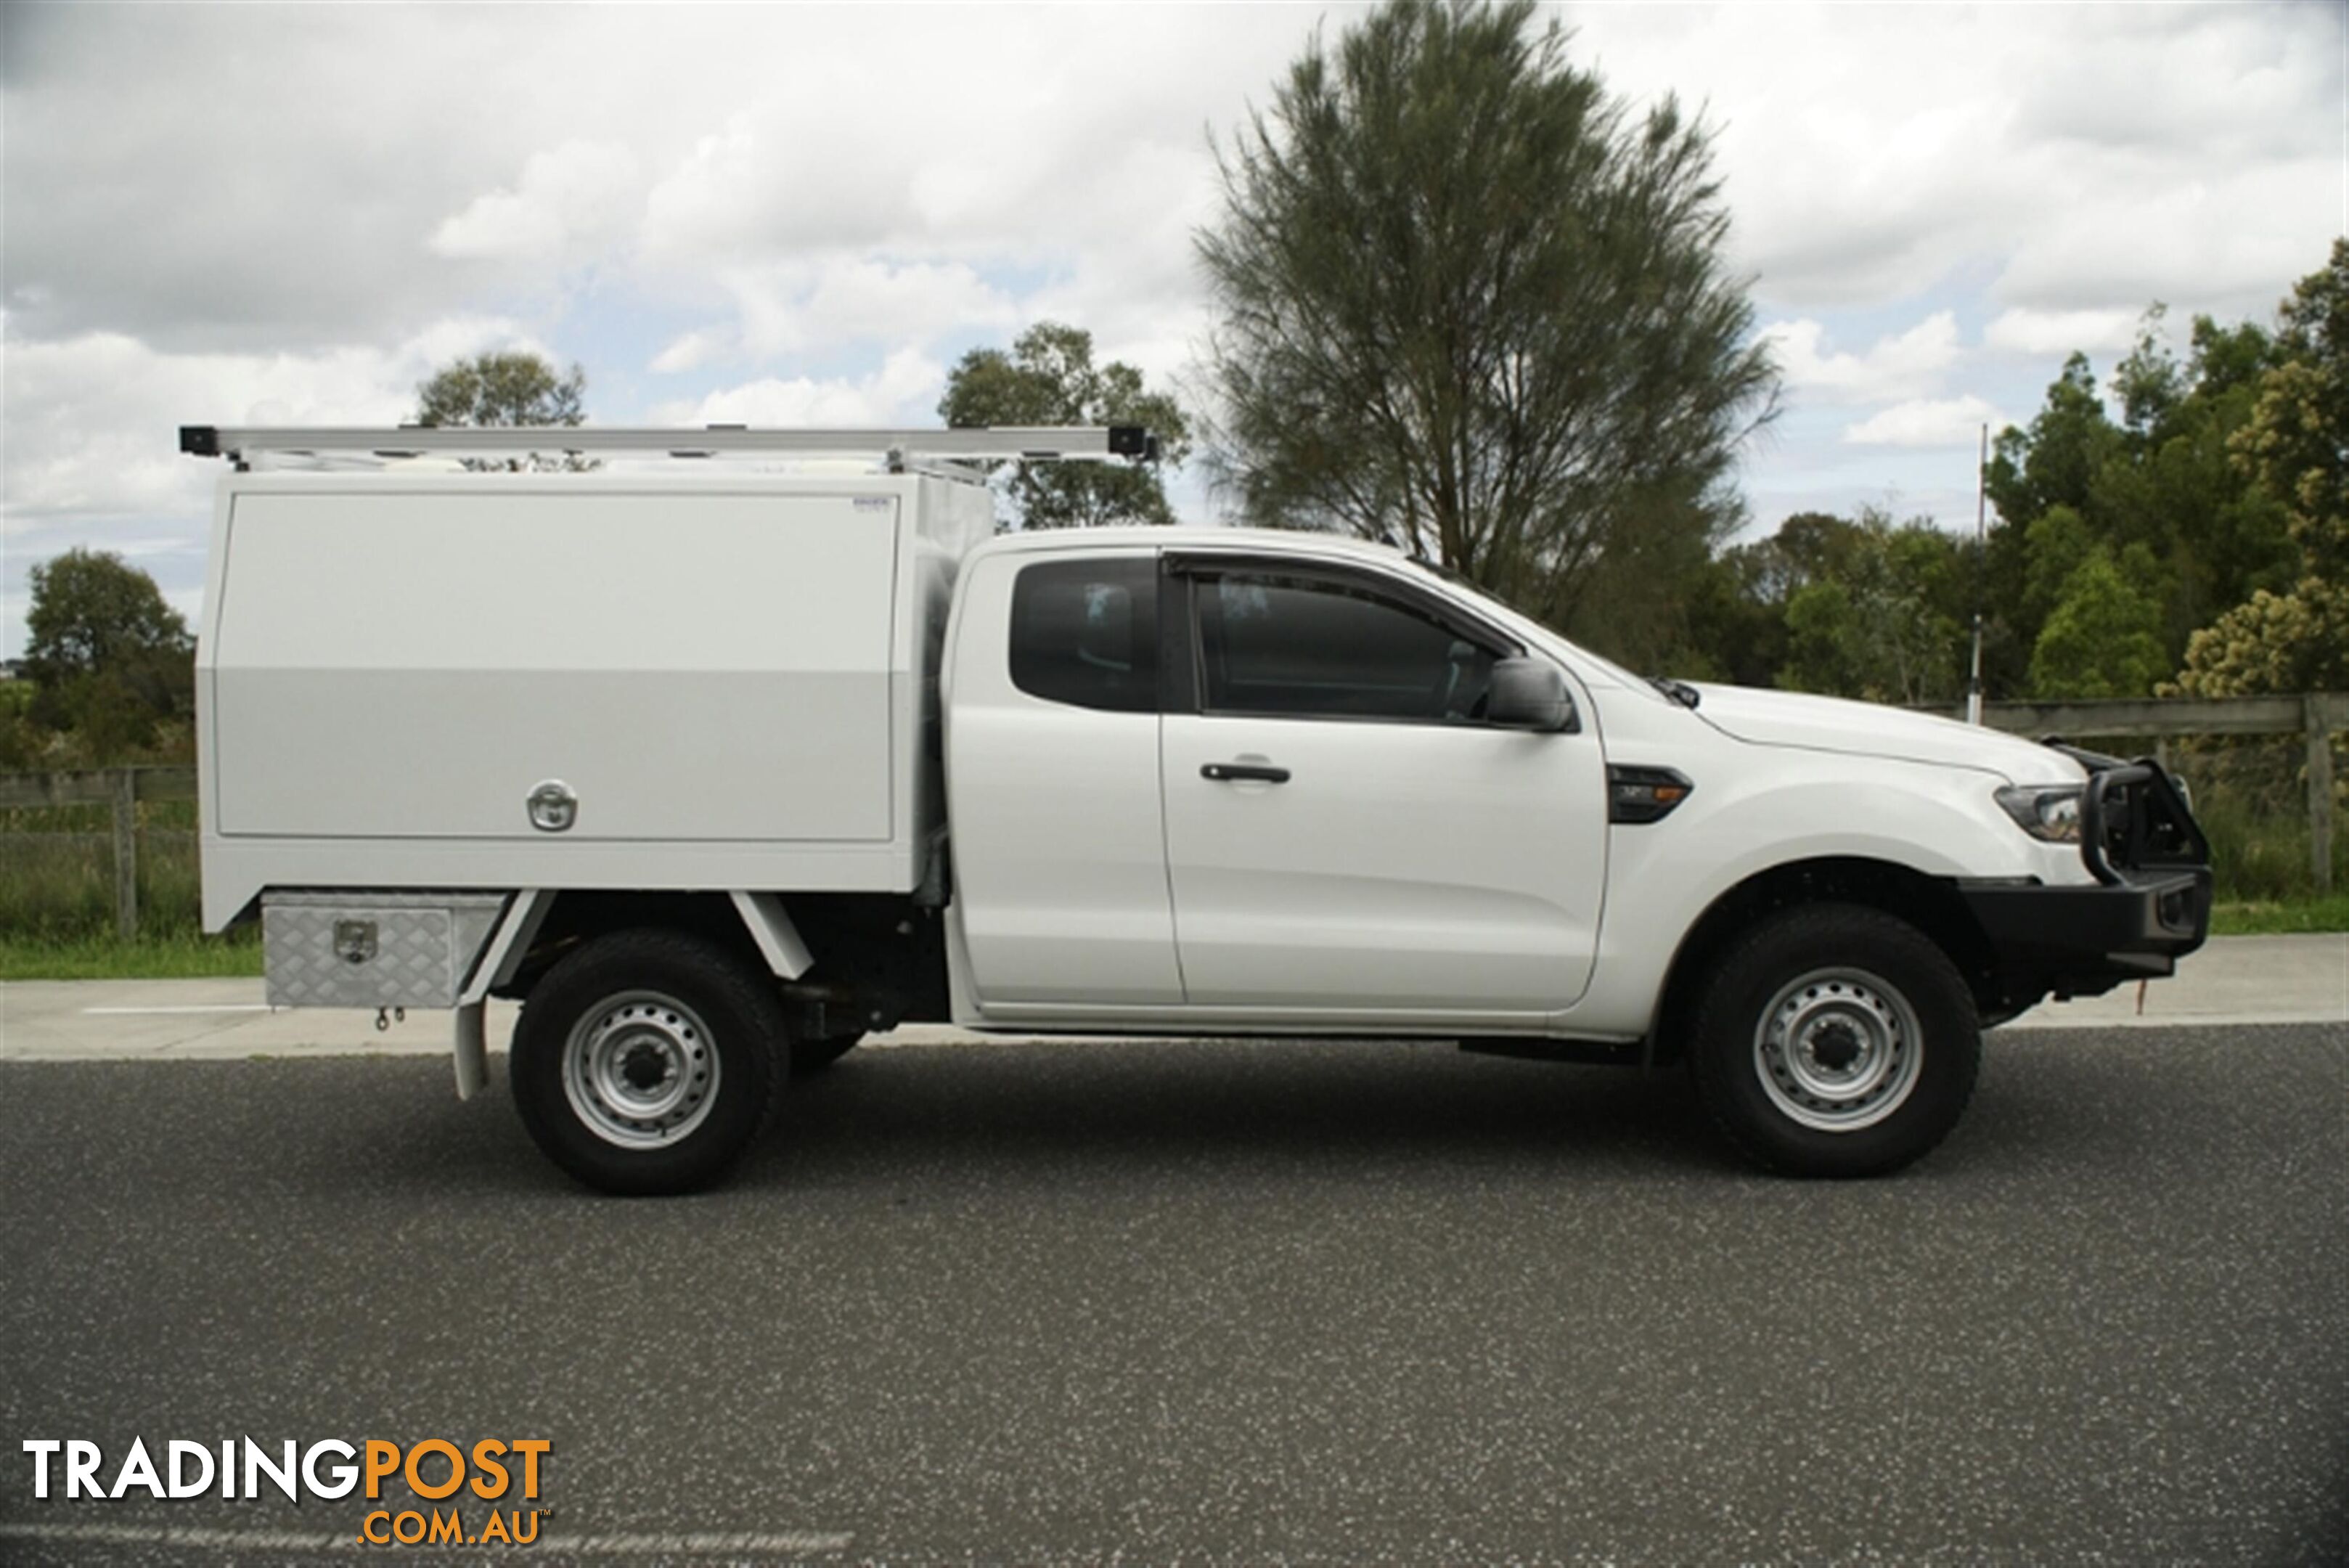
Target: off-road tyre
[[1845, 978], [662, 1006]]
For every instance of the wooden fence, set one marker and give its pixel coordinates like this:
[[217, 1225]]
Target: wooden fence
[[2314, 716], [120, 788]]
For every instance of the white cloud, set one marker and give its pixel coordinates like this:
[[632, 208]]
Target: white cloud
[[902, 392], [92, 419], [792, 306], [2078, 157], [687, 351], [572, 197], [1927, 423], [1903, 364], [2058, 332]]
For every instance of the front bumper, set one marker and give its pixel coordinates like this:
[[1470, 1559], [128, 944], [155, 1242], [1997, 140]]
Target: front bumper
[[2083, 941], [2149, 906]]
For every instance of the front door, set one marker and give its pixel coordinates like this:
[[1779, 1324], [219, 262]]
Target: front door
[[1345, 835]]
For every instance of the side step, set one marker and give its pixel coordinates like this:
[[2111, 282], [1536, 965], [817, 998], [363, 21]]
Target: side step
[[1590, 1052]]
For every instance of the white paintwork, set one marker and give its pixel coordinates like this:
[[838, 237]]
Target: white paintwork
[[1060, 848], [1759, 804], [741, 676], [1362, 883], [1872, 730], [732, 673], [1442, 854], [507, 945], [777, 937]]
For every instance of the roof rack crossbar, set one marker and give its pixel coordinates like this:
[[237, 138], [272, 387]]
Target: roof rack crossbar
[[1029, 443]]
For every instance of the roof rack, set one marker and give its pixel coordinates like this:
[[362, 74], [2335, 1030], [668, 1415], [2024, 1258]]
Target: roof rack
[[1029, 443]]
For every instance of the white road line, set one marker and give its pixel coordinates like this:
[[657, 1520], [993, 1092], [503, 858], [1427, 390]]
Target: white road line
[[176, 1535], [222, 1007], [794, 1541], [800, 1540]]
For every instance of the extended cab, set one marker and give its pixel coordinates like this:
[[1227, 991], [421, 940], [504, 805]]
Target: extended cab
[[717, 770]]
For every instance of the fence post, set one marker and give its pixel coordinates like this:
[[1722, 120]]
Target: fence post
[[2317, 720], [126, 854]]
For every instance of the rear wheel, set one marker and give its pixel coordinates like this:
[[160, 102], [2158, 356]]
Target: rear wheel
[[644, 1062], [1834, 1040]]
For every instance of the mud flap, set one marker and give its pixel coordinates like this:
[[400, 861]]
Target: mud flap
[[473, 1049]]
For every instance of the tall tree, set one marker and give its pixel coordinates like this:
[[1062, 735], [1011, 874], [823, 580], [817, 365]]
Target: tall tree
[[1470, 307], [107, 656], [1049, 378]]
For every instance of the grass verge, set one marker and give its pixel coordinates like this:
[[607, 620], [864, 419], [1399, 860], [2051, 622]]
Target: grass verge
[[2265, 917], [186, 957]]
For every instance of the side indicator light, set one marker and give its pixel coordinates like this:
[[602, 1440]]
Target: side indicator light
[[1644, 794]]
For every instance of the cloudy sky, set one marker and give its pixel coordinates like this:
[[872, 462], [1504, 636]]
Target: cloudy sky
[[229, 214]]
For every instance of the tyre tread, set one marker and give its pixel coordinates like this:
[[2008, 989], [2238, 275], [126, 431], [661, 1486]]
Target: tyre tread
[[1719, 1024], [631, 958]]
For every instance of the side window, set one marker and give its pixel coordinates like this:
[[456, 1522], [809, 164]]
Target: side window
[[1304, 646], [1086, 633]]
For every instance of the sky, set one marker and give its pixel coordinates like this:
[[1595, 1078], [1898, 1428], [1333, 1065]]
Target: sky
[[804, 216]]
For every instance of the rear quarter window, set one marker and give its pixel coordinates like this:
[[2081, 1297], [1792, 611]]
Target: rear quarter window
[[1086, 633]]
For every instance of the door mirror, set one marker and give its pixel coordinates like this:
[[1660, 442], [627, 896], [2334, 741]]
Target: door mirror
[[1530, 694]]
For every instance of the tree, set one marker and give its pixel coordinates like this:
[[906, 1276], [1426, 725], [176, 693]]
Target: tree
[[2054, 462], [2102, 638], [2296, 449], [108, 658], [2160, 492], [1470, 307], [1874, 612], [506, 391], [1049, 378], [501, 390]]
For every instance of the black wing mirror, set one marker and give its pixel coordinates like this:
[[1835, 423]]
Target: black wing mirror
[[1530, 694]]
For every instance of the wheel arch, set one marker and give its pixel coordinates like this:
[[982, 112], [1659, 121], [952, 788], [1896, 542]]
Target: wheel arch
[[575, 915], [1930, 904], [861, 960]]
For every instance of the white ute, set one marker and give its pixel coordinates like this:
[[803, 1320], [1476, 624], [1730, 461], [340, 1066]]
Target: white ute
[[717, 766]]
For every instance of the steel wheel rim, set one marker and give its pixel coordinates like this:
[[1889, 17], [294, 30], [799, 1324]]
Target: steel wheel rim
[[640, 1070], [1839, 1050]]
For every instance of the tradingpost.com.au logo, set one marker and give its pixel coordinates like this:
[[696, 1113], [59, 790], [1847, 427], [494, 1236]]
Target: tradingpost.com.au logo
[[500, 1473]]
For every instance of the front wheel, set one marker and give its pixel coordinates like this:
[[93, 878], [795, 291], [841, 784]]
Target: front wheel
[[646, 1062], [1834, 1040]]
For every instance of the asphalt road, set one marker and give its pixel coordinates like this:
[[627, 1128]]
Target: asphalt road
[[1219, 1303]]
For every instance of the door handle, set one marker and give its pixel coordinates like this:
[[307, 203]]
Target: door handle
[[1230, 773]]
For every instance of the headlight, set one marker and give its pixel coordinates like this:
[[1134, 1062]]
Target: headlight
[[2052, 815]]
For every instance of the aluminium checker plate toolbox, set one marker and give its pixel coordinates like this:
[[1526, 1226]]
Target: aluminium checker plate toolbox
[[358, 948]]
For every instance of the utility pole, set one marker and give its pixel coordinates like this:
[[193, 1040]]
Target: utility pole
[[1982, 574]]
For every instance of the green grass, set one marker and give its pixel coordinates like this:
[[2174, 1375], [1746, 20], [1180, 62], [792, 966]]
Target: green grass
[[185, 956], [57, 887], [2266, 917]]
